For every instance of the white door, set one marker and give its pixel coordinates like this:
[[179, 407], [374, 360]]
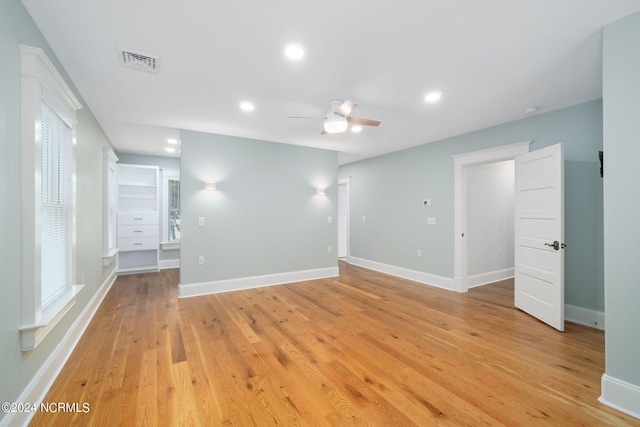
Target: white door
[[539, 235], [343, 220]]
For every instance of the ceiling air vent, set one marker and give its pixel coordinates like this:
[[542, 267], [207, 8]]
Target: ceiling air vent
[[139, 60]]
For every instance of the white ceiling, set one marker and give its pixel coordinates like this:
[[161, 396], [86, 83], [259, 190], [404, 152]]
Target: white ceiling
[[492, 59]]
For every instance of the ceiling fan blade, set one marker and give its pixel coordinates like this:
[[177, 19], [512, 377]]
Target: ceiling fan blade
[[307, 117], [346, 108], [363, 122]]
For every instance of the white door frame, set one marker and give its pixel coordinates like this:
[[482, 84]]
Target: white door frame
[[346, 181], [460, 164]]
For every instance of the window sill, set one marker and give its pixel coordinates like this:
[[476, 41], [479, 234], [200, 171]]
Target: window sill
[[166, 246], [32, 335], [108, 258]]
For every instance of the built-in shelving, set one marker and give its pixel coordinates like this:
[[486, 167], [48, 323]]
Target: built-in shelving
[[138, 218]]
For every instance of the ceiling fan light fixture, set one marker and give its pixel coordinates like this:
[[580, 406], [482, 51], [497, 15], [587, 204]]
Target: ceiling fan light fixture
[[336, 124], [356, 129]]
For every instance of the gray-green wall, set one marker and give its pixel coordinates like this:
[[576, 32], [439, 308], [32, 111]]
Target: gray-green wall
[[161, 162], [17, 368], [388, 190], [265, 217], [621, 92]]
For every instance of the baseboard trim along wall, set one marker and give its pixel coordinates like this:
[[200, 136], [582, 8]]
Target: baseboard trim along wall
[[490, 277], [620, 395], [417, 276], [584, 316], [39, 386], [207, 288], [164, 264]]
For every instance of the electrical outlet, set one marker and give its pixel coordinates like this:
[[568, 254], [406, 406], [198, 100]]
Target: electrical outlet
[[201, 221], [426, 202], [419, 253], [82, 279], [329, 220], [329, 249], [200, 260], [364, 218]]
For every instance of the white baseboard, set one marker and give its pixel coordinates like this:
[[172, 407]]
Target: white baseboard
[[620, 395], [490, 277], [584, 316], [168, 263], [206, 288], [417, 276], [42, 381]]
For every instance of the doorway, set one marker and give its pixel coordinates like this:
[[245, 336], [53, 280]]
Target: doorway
[[490, 222], [462, 163]]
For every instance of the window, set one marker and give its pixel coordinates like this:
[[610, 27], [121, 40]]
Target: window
[[170, 209], [48, 194], [56, 205]]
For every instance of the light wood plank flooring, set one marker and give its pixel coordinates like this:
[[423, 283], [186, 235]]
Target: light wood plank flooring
[[361, 349]]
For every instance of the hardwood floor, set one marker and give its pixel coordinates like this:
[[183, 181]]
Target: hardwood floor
[[361, 349]]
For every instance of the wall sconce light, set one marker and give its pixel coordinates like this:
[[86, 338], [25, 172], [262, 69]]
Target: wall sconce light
[[209, 186], [320, 191]]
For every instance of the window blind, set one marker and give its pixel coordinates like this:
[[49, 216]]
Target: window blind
[[56, 206]]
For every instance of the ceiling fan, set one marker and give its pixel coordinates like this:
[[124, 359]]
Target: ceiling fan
[[337, 119]]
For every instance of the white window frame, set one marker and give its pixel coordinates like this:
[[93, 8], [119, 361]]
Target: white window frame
[[110, 207], [168, 175], [41, 82]]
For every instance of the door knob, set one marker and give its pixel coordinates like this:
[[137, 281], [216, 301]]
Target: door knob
[[556, 245]]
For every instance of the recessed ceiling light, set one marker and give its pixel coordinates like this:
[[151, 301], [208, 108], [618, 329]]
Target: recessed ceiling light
[[170, 150], [246, 106], [531, 110], [294, 51], [356, 129], [172, 141], [432, 97]]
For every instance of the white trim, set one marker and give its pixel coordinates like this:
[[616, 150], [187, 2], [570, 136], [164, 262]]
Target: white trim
[[170, 246], [36, 64], [417, 276], [109, 207], [167, 175], [110, 257], [40, 81], [32, 334], [460, 163], [138, 270], [206, 288], [42, 381], [347, 182], [168, 263], [490, 155], [490, 277], [584, 316], [620, 395]]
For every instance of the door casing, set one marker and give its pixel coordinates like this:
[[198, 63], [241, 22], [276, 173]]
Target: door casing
[[460, 163]]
